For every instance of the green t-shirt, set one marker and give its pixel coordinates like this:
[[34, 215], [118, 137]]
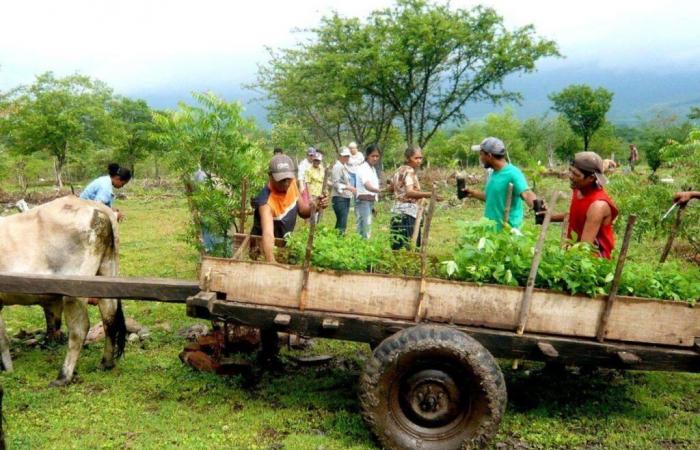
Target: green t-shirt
[[497, 191]]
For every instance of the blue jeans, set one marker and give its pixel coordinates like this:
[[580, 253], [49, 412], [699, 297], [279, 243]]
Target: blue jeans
[[341, 207], [363, 214]]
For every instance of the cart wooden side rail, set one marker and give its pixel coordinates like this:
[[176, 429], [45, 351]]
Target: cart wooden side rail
[[501, 343]]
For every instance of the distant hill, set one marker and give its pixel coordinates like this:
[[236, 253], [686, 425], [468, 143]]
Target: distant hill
[[637, 93]]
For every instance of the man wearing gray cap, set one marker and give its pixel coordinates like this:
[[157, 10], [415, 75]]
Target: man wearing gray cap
[[492, 154], [592, 212], [276, 207]]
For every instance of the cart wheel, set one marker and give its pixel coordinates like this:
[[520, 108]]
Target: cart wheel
[[432, 387]]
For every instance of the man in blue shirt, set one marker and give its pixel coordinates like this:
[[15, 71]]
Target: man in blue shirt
[[492, 154], [101, 189]]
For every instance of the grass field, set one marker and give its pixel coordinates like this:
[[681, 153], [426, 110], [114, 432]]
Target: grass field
[[152, 401]]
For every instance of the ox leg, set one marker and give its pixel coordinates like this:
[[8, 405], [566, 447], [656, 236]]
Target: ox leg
[[115, 330], [5, 347], [78, 325], [53, 311]]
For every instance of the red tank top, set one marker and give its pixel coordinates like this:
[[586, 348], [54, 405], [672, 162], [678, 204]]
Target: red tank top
[[605, 240]]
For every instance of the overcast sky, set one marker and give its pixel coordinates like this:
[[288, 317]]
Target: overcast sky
[[137, 45]]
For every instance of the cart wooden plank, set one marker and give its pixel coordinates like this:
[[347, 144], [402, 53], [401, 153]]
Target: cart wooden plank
[[393, 297]]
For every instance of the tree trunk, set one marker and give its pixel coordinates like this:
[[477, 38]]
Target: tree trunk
[[58, 169], [586, 138]]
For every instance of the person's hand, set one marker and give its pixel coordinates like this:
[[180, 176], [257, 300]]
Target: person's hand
[[352, 189], [322, 202], [467, 191], [682, 197], [120, 216]]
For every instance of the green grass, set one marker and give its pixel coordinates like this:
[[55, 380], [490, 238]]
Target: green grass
[[150, 400]]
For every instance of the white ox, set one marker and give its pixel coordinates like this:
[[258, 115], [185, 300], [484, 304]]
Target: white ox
[[67, 236]]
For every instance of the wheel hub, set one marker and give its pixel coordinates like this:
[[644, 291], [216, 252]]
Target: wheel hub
[[431, 398]]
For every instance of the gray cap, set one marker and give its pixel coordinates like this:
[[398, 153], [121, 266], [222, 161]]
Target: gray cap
[[281, 167], [491, 145], [591, 162]]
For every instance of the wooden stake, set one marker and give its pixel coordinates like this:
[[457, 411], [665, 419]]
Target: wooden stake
[[416, 226], [672, 234], [527, 295], [564, 229], [303, 294], [509, 200], [244, 208], [605, 316], [424, 255]]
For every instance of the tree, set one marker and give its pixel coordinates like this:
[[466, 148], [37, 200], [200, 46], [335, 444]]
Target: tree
[[213, 136], [313, 85], [428, 61], [417, 62], [583, 108], [134, 137], [62, 116]]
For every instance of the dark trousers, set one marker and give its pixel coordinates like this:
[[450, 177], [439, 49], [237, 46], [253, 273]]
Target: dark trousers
[[341, 207], [401, 230]]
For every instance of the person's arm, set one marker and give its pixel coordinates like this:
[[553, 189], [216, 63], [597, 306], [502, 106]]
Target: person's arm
[[596, 215], [479, 195], [555, 217], [369, 187], [268, 232], [529, 197], [684, 197]]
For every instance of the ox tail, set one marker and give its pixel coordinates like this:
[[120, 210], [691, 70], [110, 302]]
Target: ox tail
[[118, 331]]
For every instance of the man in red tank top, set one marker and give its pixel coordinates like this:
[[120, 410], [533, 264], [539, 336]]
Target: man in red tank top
[[592, 211]]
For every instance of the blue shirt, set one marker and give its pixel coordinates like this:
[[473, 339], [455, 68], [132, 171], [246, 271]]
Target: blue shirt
[[497, 191], [100, 190]]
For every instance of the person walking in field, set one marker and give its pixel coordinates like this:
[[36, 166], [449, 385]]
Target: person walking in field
[[102, 189], [492, 155], [367, 190], [407, 194], [592, 212], [342, 191], [634, 156], [278, 204]]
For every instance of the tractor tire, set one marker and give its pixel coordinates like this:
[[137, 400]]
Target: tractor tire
[[432, 387]]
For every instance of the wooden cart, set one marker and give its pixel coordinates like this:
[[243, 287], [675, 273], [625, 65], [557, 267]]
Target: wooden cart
[[432, 381]]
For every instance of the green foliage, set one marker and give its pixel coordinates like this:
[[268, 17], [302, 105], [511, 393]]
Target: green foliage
[[135, 135], [485, 255], [214, 137], [583, 108], [62, 116], [416, 62]]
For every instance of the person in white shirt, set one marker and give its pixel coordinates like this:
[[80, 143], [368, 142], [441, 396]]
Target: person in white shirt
[[356, 159], [342, 191], [367, 190], [303, 165]]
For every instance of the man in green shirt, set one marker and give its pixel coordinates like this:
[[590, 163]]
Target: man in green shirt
[[492, 154]]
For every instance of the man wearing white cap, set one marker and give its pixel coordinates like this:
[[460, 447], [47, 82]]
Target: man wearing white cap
[[492, 154], [342, 190]]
